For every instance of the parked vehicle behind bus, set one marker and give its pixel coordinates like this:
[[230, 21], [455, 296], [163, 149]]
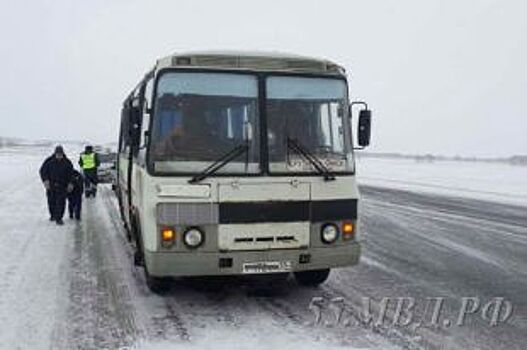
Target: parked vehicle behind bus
[[106, 169], [240, 163]]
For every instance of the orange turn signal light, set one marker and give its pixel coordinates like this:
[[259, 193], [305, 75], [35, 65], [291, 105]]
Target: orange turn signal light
[[347, 229], [168, 234]]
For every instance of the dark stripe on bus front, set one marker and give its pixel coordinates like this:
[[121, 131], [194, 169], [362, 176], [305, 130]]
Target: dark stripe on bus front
[[290, 211], [246, 212], [334, 210]]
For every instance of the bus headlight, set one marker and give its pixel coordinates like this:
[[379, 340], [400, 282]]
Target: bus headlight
[[193, 237], [329, 233]]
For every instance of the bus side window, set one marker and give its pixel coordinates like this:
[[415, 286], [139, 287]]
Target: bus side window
[[121, 133], [147, 103], [146, 110], [148, 92], [124, 146]]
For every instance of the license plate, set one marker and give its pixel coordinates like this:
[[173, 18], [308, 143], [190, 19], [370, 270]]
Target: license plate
[[267, 267]]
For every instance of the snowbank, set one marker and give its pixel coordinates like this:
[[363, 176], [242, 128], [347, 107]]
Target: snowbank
[[488, 181]]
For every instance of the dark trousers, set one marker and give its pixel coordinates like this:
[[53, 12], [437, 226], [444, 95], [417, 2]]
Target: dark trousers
[[75, 205], [90, 179], [56, 202]]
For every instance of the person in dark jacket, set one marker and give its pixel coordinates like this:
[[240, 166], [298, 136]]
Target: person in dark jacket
[[89, 162], [56, 173], [75, 196]]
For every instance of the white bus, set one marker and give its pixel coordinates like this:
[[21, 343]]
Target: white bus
[[240, 163]]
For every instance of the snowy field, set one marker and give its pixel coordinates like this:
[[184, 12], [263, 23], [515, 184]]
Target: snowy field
[[75, 287], [487, 181]]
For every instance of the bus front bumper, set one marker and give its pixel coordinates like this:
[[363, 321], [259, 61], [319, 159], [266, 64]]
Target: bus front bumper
[[176, 264]]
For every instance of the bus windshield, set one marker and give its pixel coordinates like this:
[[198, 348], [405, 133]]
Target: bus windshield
[[199, 117], [312, 113]]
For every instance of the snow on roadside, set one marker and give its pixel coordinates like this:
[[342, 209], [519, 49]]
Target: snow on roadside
[[30, 255], [486, 181]]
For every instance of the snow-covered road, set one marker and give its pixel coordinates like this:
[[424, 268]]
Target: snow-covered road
[[74, 287]]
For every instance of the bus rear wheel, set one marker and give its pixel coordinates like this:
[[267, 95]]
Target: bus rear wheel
[[312, 278]]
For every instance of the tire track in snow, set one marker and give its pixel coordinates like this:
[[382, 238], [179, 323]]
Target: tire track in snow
[[99, 313], [281, 312], [394, 334], [169, 324]]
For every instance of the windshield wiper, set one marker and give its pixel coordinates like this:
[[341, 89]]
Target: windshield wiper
[[304, 152], [220, 163]]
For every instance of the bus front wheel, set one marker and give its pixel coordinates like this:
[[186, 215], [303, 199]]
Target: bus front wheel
[[157, 285], [312, 278]]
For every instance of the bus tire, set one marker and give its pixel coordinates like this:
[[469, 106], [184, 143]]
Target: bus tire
[[157, 285], [312, 278], [127, 232], [135, 237], [138, 259]]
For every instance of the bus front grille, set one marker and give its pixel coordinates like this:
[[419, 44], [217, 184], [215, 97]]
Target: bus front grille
[[264, 236]]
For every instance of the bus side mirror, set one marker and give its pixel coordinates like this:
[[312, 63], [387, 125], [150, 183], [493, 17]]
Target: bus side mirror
[[364, 127]]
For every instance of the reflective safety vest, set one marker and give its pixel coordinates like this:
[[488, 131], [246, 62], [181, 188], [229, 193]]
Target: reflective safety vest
[[88, 161]]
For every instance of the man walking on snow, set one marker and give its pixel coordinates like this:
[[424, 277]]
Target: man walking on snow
[[89, 162], [56, 173]]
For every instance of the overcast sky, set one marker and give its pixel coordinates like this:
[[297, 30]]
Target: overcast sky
[[445, 77]]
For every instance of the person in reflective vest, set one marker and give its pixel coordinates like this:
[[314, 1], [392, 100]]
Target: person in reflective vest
[[89, 162]]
